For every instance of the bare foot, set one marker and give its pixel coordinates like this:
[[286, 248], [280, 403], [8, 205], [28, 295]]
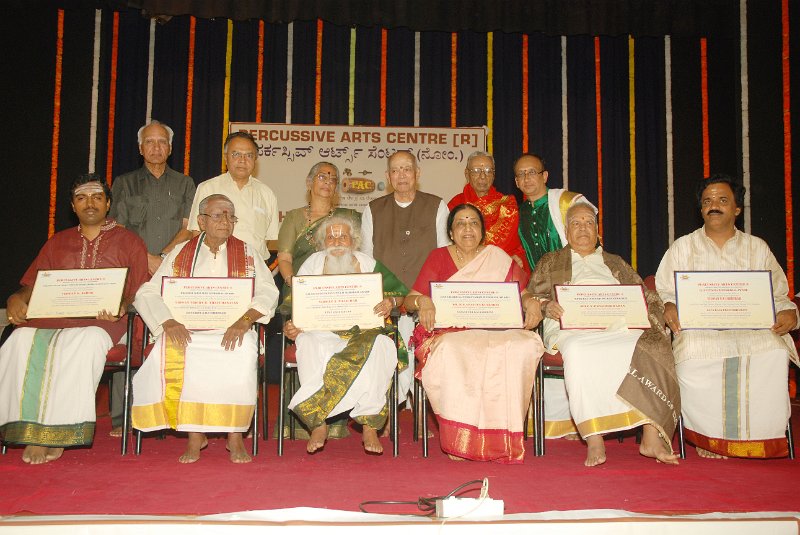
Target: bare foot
[[596, 451], [35, 454], [387, 430], [197, 441], [572, 436], [455, 457], [652, 446], [115, 432], [236, 447], [371, 442], [705, 454], [317, 439], [53, 454]]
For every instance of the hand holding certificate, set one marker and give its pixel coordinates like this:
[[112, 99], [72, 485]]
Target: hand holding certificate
[[600, 306], [724, 299], [77, 293], [336, 302]]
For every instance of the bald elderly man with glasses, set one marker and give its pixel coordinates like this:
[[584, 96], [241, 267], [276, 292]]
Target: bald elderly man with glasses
[[500, 212]]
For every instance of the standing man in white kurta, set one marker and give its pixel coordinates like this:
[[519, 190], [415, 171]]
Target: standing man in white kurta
[[733, 383], [203, 381]]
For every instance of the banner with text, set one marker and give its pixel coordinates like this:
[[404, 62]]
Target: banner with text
[[287, 152]]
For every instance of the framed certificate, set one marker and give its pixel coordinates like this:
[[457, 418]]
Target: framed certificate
[[724, 299], [602, 305], [76, 293], [477, 305], [336, 302], [207, 302]]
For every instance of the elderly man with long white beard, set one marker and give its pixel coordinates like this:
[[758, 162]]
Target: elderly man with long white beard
[[346, 370], [203, 381]]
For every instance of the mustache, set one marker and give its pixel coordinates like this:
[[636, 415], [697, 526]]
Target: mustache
[[714, 212]]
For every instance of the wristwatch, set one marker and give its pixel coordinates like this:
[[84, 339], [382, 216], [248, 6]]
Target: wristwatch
[[248, 319]]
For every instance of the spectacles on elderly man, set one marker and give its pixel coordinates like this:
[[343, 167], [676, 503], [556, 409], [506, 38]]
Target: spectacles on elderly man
[[236, 155], [217, 218], [477, 171]]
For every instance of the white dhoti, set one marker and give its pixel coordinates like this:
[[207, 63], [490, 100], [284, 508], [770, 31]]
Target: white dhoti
[[203, 389], [48, 380], [737, 406], [358, 385], [595, 363]]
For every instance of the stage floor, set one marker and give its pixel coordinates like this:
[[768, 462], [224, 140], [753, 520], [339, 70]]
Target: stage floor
[[98, 481]]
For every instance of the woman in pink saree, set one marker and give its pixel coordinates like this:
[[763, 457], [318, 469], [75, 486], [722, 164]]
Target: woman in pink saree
[[479, 382]]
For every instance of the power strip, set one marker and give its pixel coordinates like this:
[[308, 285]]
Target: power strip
[[453, 507]]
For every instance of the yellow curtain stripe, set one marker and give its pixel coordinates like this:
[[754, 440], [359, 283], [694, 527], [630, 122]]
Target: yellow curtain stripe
[[489, 92], [632, 131], [227, 104], [351, 96]]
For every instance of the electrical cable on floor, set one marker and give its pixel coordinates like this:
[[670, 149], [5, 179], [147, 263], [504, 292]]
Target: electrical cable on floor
[[426, 505]]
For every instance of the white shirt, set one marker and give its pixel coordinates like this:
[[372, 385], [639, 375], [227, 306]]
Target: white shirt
[[698, 252], [154, 312], [442, 238], [256, 208]]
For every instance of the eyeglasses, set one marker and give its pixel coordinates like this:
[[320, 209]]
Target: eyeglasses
[[477, 171], [217, 218], [149, 142], [243, 155], [327, 177], [522, 174]]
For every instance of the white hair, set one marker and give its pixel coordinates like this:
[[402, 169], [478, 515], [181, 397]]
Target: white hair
[[216, 197], [170, 133], [478, 154], [355, 231]]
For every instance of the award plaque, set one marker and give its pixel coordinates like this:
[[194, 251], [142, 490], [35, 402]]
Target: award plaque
[[336, 302], [600, 306], [207, 302], [76, 293], [724, 299], [477, 305]]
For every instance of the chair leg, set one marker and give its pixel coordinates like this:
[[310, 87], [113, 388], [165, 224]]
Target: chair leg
[[790, 438], [255, 421], [424, 408], [138, 449], [415, 408], [127, 394], [281, 404], [264, 390], [539, 423], [3, 448], [681, 441], [393, 413]]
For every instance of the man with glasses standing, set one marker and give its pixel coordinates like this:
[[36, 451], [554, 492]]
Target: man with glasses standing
[[256, 205], [500, 212], [541, 230], [541, 214]]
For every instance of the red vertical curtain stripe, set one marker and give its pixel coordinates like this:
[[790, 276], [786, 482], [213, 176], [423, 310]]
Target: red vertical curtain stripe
[[189, 94], [453, 77], [260, 76], [384, 65], [704, 97], [524, 93], [599, 131], [318, 73], [51, 217], [112, 98], [787, 144]]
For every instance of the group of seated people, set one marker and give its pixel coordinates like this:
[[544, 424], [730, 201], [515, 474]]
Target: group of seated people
[[479, 382]]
